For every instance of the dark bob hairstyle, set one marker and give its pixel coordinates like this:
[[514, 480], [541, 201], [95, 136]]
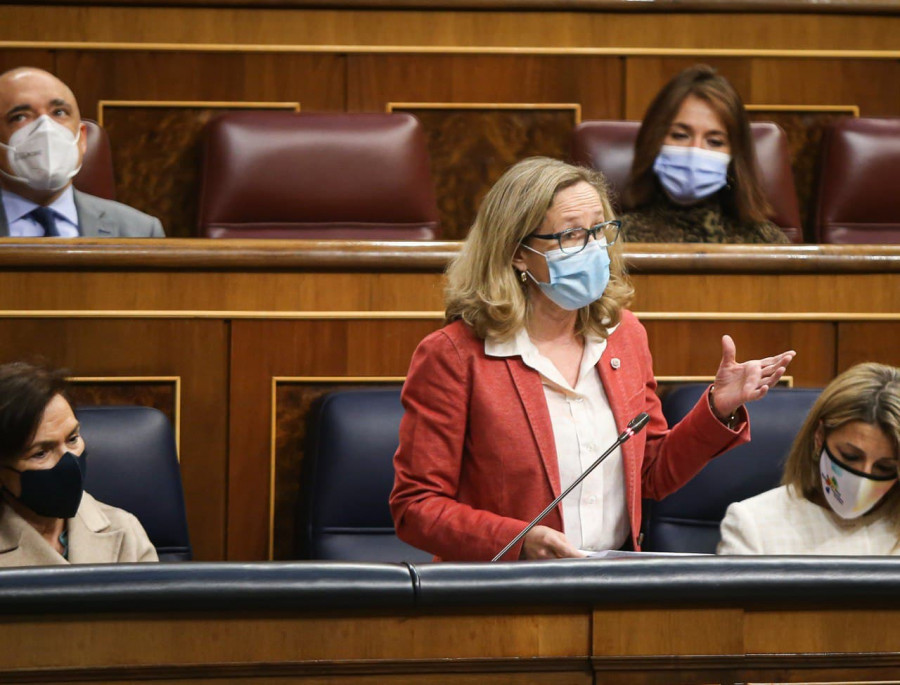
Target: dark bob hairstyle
[[25, 391]]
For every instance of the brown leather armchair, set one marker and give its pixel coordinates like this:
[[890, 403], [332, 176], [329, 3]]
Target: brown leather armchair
[[345, 176], [96, 175], [609, 147], [858, 199]]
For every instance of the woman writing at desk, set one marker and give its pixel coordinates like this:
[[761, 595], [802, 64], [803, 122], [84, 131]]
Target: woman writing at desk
[[839, 493], [538, 369]]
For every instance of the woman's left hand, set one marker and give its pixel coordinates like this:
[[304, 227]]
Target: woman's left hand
[[738, 383]]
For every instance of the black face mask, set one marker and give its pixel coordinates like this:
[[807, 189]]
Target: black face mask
[[56, 492]]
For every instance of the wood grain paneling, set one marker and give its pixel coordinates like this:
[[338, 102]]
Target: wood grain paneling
[[636, 632], [594, 82], [158, 154], [294, 348], [12, 58], [526, 675], [314, 80], [862, 630], [161, 395], [695, 348], [471, 148], [827, 294], [656, 645], [548, 29], [868, 84], [868, 342], [293, 403], [194, 350], [228, 291]]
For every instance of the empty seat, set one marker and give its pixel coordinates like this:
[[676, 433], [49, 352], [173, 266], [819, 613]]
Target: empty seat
[[688, 519], [132, 464], [349, 473], [858, 199], [321, 176], [96, 174], [608, 146]]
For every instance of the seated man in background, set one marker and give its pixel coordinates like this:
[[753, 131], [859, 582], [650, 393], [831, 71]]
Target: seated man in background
[[42, 143], [46, 517]]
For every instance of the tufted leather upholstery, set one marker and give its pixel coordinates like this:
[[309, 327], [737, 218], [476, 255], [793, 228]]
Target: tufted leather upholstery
[[688, 519], [132, 464], [609, 147], [96, 175], [858, 199], [346, 176], [349, 475]]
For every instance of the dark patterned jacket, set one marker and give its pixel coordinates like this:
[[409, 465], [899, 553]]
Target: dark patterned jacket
[[662, 221]]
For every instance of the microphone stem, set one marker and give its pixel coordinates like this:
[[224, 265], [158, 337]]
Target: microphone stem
[[512, 543]]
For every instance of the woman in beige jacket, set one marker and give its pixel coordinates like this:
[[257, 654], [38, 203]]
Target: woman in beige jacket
[[46, 518]]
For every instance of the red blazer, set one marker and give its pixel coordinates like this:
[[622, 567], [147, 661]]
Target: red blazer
[[477, 458]]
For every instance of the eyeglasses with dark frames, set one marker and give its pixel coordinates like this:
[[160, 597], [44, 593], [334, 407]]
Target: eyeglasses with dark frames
[[574, 240]]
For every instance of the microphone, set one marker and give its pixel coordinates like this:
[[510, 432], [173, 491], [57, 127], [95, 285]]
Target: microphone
[[634, 426]]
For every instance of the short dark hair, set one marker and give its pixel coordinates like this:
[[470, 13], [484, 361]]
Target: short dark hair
[[744, 200], [25, 391]]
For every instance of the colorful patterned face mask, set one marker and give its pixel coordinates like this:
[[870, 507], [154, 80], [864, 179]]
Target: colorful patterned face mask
[[850, 493]]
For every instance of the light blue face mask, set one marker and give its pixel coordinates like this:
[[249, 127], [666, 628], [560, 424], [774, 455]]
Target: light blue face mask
[[576, 280], [689, 174]]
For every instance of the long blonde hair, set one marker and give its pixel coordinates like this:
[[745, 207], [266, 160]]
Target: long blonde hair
[[483, 288], [867, 392]]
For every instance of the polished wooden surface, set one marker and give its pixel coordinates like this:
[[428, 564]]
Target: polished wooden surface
[[619, 645], [558, 29], [254, 328], [60, 255], [815, 6]]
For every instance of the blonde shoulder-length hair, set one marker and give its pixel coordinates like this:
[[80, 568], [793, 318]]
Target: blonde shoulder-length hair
[[484, 290], [867, 392]]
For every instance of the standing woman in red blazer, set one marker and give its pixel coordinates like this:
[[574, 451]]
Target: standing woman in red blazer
[[538, 369]]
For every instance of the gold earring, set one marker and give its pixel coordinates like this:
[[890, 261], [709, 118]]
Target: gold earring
[[523, 276]]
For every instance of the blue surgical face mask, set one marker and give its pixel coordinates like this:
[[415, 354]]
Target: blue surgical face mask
[[576, 280], [689, 174]]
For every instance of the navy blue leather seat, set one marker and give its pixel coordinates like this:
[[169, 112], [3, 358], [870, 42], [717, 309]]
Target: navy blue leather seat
[[132, 464], [688, 519], [349, 473]]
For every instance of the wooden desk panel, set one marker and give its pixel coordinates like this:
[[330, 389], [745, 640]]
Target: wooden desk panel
[[230, 318], [573, 645]]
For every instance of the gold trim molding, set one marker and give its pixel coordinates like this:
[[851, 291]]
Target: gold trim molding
[[450, 50], [547, 106], [785, 381], [811, 109]]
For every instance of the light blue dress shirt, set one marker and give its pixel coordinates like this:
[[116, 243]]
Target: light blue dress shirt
[[23, 226]]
